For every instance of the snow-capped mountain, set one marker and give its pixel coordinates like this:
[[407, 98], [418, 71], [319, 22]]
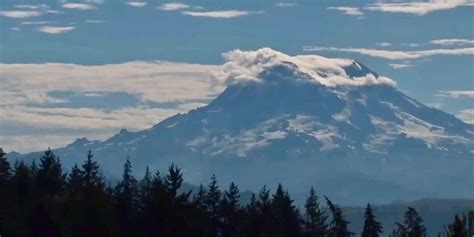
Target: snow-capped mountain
[[304, 121]]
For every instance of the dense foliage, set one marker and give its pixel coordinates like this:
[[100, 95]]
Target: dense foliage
[[42, 200]]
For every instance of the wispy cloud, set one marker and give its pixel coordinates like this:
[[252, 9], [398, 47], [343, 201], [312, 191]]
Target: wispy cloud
[[354, 11], [383, 44], [55, 29], [94, 21], [26, 90], [173, 6], [456, 94], [15, 29], [35, 22], [449, 42], [285, 4], [136, 4], [79, 6], [20, 14], [399, 65], [418, 7], [221, 14], [395, 54], [32, 6]]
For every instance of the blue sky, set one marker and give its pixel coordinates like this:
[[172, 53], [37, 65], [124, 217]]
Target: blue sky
[[88, 68]]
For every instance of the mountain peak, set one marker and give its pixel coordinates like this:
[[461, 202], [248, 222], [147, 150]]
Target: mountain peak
[[268, 65]]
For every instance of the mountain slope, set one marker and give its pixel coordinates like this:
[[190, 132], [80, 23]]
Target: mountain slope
[[303, 121]]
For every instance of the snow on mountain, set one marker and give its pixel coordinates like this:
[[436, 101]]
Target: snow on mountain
[[304, 121]]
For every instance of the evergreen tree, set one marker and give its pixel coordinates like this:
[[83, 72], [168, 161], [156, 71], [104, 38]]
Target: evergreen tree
[[212, 201], [257, 212], [91, 174], [50, 179], [457, 228], [200, 198], [74, 181], [372, 228], [413, 223], [126, 200], [284, 218], [338, 225], [144, 188], [5, 170], [95, 207], [231, 211], [314, 221]]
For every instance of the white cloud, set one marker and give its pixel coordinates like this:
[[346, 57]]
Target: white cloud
[[399, 65], [20, 14], [466, 115], [449, 42], [355, 11], [412, 45], [153, 81], [221, 14], [173, 6], [55, 29], [35, 22], [248, 65], [32, 6], [15, 29], [383, 44], [394, 54], [418, 7], [136, 4], [79, 6], [25, 86], [456, 94], [285, 4], [94, 21]]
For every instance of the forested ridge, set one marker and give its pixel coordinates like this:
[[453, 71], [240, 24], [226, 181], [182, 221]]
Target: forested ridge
[[42, 199]]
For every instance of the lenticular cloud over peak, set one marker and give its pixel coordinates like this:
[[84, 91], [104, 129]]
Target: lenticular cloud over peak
[[248, 66]]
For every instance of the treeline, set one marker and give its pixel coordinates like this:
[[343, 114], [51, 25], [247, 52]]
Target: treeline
[[43, 200]]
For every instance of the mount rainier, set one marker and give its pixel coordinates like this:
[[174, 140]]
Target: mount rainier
[[303, 121]]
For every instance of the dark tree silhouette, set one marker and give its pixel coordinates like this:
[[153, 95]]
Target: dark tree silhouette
[[231, 212], [5, 170], [314, 218], [338, 225], [372, 228], [49, 177], [457, 228], [213, 201], [126, 200]]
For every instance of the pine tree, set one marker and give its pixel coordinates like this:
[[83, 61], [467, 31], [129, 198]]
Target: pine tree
[[413, 223], [95, 206], [314, 223], [126, 200], [284, 218], [372, 228], [212, 201], [338, 225], [5, 170], [74, 181], [91, 174], [50, 179], [144, 188], [200, 198], [231, 211], [457, 228], [173, 180]]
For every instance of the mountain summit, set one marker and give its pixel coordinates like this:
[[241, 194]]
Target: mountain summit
[[297, 120]]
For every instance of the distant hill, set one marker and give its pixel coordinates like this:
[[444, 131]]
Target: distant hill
[[436, 213]]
